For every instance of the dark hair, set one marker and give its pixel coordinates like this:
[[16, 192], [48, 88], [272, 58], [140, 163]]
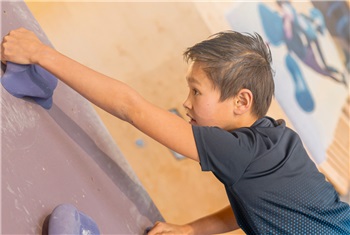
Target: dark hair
[[234, 61]]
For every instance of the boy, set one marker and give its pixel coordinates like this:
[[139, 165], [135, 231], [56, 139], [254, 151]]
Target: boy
[[272, 185]]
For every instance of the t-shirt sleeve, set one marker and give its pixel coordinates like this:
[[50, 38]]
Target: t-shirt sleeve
[[224, 153]]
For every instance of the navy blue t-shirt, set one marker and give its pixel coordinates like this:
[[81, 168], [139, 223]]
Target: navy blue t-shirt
[[272, 184]]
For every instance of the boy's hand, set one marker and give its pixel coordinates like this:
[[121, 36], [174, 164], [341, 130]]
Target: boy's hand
[[168, 229], [21, 46]]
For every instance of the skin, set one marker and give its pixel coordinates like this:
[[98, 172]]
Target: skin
[[220, 222], [205, 109], [202, 106]]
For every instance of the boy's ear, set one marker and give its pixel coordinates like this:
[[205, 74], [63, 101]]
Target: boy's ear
[[243, 101]]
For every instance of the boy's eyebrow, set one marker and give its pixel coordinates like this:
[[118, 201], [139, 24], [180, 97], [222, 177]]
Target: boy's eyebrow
[[192, 80]]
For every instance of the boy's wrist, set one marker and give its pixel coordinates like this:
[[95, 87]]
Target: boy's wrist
[[188, 229], [42, 54]]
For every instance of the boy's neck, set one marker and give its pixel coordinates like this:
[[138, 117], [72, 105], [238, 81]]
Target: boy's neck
[[244, 121]]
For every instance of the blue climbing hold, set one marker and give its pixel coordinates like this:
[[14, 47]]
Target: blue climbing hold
[[66, 219], [30, 81]]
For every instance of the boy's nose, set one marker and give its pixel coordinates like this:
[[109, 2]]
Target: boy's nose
[[187, 103]]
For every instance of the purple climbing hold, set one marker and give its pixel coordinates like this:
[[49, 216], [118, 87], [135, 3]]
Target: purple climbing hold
[[30, 81], [66, 219]]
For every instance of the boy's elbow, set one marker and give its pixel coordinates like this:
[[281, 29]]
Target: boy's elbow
[[127, 108]]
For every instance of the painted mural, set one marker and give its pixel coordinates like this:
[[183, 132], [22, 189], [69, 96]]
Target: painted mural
[[311, 67]]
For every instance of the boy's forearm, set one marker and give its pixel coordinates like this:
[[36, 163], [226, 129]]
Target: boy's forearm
[[109, 94], [220, 222]]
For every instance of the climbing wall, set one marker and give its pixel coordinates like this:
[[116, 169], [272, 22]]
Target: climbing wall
[[63, 155]]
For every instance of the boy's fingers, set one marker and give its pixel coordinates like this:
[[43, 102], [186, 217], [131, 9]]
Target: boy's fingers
[[155, 229], [20, 46], [5, 40], [3, 60]]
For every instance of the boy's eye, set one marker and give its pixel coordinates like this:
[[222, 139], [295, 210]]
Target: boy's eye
[[195, 91]]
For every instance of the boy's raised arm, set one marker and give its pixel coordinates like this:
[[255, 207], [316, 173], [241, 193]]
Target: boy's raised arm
[[23, 47]]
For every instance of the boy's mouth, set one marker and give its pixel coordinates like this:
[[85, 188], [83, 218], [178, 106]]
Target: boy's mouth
[[191, 121]]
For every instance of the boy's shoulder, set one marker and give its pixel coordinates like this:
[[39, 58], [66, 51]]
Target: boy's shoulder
[[269, 122]]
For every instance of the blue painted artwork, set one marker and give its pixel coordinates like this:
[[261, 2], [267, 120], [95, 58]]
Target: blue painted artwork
[[337, 19], [299, 32]]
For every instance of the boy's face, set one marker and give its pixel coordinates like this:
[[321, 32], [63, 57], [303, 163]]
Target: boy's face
[[203, 104]]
